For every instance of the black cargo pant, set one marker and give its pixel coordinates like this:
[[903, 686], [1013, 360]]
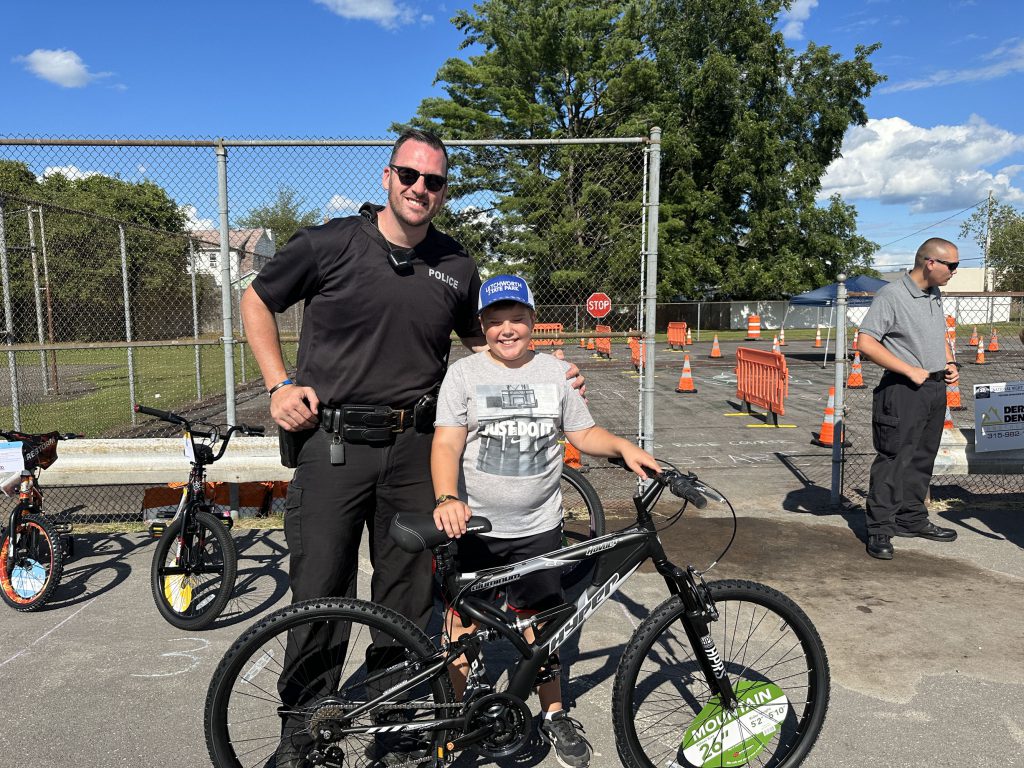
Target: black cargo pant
[[325, 511], [906, 425]]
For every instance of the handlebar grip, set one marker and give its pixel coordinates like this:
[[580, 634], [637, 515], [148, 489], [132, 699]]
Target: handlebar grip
[[247, 430], [682, 488], [173, 418]]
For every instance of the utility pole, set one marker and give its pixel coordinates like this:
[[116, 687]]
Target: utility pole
[[988, 244]]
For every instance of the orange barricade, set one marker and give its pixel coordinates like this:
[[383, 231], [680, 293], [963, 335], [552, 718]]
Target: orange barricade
[[753, 328], [258, 495], [603, 346], [762, 378], [637, 352], [543, 328], [676, 335]]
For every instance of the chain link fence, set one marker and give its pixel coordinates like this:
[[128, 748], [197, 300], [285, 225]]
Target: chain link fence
[[988, 344], [116, 284]]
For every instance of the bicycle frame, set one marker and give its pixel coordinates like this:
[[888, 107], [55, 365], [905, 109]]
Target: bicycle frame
[[618, 555], [30, 497]]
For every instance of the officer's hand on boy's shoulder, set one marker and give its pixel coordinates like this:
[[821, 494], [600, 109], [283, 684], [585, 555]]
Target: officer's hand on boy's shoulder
[[451, 517], [578, 382], [294, 407]]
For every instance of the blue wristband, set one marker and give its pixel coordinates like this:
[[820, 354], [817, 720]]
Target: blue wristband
[[280, 384]]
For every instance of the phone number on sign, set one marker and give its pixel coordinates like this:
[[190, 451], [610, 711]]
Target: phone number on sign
[[1002, 435]]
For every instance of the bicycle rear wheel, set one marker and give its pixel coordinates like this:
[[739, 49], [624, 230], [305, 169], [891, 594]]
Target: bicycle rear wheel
[[582, 519], [27, 579], [193, 571], [302, 669], [665, 714]]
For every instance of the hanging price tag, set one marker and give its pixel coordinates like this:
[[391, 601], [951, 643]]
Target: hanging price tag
[[11, 458], [189, 452]]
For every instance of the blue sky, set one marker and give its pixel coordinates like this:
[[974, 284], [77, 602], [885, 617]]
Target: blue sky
[[945, 127]]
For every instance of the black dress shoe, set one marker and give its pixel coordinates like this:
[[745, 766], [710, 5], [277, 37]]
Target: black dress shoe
[[930, 531], [880, 546]]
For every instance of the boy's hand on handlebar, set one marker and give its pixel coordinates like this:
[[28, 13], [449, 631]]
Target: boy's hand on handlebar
[[639, 460], [451, 517], [294, 407]]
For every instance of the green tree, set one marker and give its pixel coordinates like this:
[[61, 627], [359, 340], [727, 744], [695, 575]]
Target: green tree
[[1006, 250], [283, 217], [749, 129]]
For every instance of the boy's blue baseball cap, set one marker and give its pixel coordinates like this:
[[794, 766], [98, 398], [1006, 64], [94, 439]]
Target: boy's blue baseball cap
[[505, 288]]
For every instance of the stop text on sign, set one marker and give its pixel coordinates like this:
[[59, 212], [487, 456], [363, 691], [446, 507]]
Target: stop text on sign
[[599, 305]]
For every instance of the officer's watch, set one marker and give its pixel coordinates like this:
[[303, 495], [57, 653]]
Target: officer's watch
[[445, 497]]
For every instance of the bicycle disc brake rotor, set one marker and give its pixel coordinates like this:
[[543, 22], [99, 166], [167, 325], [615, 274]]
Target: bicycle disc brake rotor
[[507, 720]]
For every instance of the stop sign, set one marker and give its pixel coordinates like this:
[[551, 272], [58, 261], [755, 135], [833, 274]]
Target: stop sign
[[599, 305]]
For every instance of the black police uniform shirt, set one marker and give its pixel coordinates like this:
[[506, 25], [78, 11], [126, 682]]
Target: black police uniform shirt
[[370, 334]]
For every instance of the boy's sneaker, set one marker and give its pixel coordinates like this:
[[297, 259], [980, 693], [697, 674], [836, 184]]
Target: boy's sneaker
[[564, 734]]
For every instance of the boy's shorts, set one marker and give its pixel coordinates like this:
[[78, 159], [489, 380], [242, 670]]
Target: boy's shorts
[[532, 593]]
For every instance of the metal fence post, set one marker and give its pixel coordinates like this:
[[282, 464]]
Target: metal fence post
[[12, 364], [839, 430], [651, 292], [195, 316], [228, 338], [38, 301], [127, 321], [55, 383]]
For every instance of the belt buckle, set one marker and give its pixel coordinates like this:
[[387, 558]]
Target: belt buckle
[[398, 428]]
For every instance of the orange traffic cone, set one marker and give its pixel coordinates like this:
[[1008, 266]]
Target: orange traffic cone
[[951, 331], [775, 343], [979, 359], [948, 423], [571, 456], [689, 337], [583, 343], [590, 344], [856, 378], [817, 338], [827, 435], [993, 344], [856, 332], [974, 338], [716, 351], [686, 377], [953, 398], [782, 337]]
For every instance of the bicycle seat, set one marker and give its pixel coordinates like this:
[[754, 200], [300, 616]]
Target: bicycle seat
[[415, 533]]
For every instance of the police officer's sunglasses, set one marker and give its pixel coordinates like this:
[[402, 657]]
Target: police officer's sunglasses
[[408, 176], [950, 265]]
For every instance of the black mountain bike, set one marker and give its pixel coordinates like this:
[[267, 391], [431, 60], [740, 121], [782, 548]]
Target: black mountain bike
[[729, 673], [33, 546], [195, 561], [582, 519]]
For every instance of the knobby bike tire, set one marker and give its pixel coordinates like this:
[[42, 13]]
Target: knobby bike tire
[[662, 708], [583, 519], [246, 719], [28, 582], [193, 601]]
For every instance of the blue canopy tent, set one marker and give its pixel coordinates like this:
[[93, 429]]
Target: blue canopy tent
[[826, 297]]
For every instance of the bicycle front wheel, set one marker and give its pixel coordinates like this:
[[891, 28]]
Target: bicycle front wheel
[[29, 576], [664, 713], [287, 686], [193, 571], [582, 519]]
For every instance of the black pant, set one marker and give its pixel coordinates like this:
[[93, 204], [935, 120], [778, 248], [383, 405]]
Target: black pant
[[326, 508], [906, 422]]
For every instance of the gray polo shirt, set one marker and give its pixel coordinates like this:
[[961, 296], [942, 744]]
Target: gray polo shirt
[[909, 323]]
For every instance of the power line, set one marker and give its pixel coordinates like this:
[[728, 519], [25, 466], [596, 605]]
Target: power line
[[923, 229]]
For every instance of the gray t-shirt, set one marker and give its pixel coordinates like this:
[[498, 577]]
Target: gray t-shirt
[[512, 465], [910, 323]]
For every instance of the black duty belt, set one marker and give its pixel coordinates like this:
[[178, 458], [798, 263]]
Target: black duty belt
[[937, 375], [365, 423]]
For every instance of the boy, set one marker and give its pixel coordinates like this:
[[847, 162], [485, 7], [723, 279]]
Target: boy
[[496, 452]]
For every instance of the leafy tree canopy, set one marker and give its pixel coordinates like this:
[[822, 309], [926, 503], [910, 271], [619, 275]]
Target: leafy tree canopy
[[1005, 257], [283, 217]]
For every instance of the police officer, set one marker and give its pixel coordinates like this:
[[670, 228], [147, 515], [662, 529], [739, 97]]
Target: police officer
[[904, 331]]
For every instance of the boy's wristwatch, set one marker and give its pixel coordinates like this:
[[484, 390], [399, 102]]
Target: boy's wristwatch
[[954, 363], [445, 497]]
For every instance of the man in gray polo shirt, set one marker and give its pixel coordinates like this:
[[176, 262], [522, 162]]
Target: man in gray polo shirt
[[904, 331]]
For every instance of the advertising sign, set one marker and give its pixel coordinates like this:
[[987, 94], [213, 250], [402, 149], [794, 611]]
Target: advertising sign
[[999, 416]]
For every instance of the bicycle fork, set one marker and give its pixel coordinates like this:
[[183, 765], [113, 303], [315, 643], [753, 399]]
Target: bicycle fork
[[699, 611]]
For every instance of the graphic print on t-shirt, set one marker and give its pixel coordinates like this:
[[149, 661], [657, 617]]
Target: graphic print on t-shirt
[[518, 425]]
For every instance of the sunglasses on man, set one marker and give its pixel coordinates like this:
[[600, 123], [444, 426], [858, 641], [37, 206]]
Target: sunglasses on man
[[950, 265], [408, 176]]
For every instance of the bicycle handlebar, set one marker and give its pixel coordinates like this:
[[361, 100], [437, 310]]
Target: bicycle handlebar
[[173, 418], [214, 434], [685, 486]]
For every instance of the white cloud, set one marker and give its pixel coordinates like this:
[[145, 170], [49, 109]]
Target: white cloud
[[341, 204], [387, 13], [65, 68], [793, 19], [69, 171], [193, 221], [1006, 59], [930, 169]]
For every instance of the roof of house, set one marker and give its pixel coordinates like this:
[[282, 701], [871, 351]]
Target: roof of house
[[243, 240]]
